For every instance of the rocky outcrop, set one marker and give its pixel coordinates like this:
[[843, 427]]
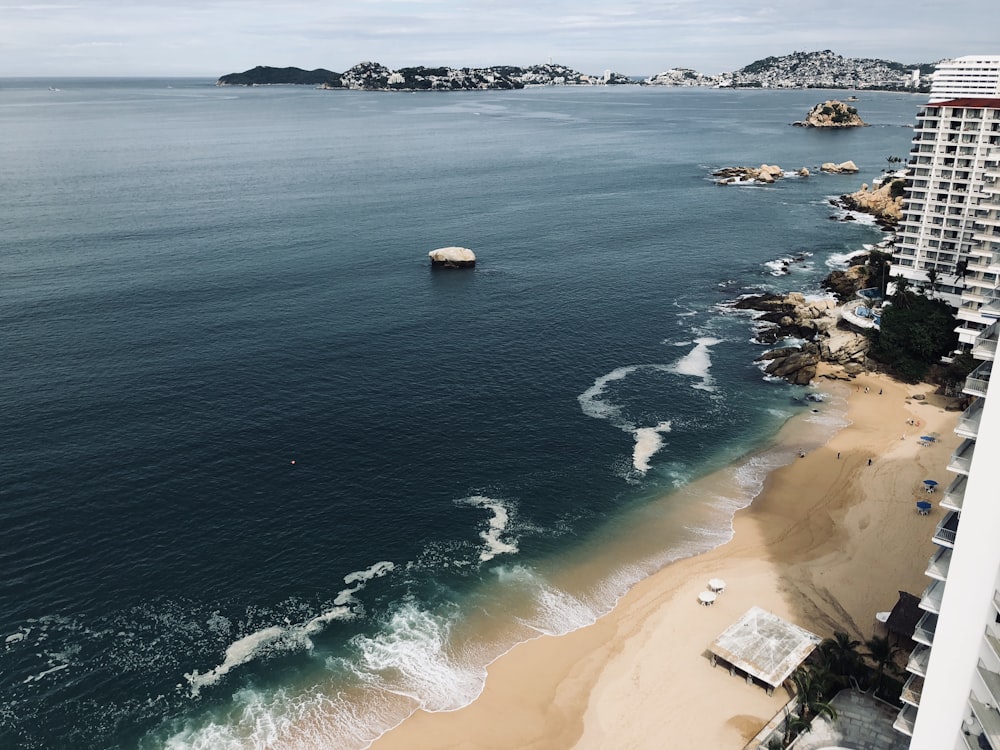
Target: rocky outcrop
[[845, 167], [846, 283], [884, 202], [765, 173], [832, 114], [792, 316], [452, 257]]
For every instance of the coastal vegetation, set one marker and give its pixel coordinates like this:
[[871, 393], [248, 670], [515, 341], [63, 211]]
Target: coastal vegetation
[[916, 331]]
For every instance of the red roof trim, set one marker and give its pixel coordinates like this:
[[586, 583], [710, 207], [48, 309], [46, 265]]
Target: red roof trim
[[993, 103]]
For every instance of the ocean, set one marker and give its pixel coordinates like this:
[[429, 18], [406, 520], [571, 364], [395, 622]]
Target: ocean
[[267, 480]]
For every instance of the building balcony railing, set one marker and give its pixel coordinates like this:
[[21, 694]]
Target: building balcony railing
[[985, 347], [912, 690], [978, 380], [947, 528], [988, 718], [954, 496], [994, 644], [924, 630], [992, 681], [917, 663], [961, 459], [939, 564], [968, 422], [931, 600], [905, 720]]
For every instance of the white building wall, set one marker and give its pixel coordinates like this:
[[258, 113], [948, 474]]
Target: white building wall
[[967, 609]]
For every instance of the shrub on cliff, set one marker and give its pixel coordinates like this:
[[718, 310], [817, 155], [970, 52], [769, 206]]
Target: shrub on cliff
[[916, 331]]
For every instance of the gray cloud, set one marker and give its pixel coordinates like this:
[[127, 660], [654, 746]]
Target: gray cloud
[[640, 37]]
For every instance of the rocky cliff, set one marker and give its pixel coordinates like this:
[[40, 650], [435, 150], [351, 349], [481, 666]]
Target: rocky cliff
[[884, 202]]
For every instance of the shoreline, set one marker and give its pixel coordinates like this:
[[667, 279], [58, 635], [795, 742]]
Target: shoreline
[[639, 677]]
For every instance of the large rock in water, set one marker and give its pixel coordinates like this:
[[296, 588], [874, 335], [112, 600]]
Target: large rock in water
[[452, 257], [832, 114]]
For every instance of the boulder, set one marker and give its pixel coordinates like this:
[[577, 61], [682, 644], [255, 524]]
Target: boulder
[[452, 257], [845, 167]]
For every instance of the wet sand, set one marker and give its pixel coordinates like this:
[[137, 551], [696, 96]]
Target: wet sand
[[827, 544]]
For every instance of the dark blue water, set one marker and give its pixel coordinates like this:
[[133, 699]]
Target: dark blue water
[[268, 480]]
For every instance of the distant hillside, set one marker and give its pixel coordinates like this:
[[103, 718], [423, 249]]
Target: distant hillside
[[373, 76], [798, 70], [266, 76]]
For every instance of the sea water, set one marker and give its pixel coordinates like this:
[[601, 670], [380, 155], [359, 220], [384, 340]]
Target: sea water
[[267, 480]]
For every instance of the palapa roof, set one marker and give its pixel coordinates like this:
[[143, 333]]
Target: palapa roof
[[903, 618], [765, 646]]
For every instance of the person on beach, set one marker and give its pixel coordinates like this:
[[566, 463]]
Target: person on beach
[[869, 462]]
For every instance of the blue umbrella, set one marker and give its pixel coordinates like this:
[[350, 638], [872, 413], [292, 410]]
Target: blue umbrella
[[928, 438], [930, 483]]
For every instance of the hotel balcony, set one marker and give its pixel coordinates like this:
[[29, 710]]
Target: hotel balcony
[[985, 348], [978, 380], [968, 422], [931, 600], [961, 459], [917, 663], [905, 720], [992, 681], [944, 534], [996, 602], [939, 563], [912, 690], [954, 496], [994, 643], [924, 630], [988, 718]]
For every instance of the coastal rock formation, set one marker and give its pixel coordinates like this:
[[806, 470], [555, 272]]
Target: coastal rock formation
[[452, 257], [846, 283], [832, 114], [792, 316], [765, 173], [884, 202], [845, 167]]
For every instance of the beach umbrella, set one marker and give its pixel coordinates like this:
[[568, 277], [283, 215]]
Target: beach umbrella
[[923, 507], [930, 483], [928, 438]]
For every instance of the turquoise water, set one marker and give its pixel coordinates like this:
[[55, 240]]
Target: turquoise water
[[268, 480]]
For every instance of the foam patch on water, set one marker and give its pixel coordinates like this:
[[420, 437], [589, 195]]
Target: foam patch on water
[[648, 441], [493, 535], [698, 362], [594, 404], [288, 637], [556, 612]]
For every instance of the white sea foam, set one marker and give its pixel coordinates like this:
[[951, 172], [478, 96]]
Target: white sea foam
[[593, 403], [410, 658], [289, 636], [41, 675], [238, 653], [648, 441], [840, 261], [493, 534], [697, 363]]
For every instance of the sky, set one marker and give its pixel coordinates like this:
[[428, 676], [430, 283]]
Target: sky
[[633, 37]]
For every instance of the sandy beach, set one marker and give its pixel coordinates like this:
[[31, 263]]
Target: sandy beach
[[828, 543]]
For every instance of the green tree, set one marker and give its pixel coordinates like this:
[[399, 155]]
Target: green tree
[[841, 656], [812, 685], [878, 265], [882, 654], [915, 332]]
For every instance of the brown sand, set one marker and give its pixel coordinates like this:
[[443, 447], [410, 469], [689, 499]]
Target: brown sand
[[827, 544]]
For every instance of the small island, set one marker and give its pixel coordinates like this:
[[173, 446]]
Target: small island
[[452, 257], [832, 114]]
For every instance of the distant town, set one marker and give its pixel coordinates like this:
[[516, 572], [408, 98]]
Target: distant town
[[798, 70]]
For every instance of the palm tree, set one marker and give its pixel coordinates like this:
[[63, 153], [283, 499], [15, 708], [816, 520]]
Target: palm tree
[[882, 654], [811, 687], [842, 656]]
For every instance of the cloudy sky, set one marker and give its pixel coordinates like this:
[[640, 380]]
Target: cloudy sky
[[634, 37]]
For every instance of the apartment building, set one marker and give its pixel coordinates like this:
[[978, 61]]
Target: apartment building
[[952, 696], [944, 232]]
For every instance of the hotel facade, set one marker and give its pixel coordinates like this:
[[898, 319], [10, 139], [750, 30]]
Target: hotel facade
[[944, 234], [952, 217]]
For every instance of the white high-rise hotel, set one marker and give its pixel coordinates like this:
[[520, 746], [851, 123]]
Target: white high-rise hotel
[[952, 215], [956, 141]]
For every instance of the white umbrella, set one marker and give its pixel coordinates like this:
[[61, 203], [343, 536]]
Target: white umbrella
[[717, 585], [706, 597]]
